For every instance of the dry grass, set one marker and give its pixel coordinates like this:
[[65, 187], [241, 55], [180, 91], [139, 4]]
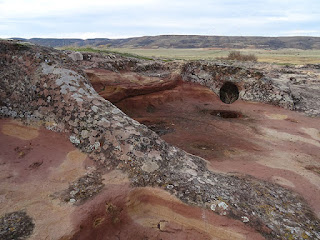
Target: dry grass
[[282, 56]]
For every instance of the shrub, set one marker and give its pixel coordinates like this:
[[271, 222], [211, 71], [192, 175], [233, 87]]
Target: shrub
[[237, 55]]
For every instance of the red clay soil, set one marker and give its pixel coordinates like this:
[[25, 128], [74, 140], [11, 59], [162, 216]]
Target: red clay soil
[[261, 140], [30, 151], [35, 163]]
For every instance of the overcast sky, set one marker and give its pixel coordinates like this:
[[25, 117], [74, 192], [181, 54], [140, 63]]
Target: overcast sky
[[130, 18]]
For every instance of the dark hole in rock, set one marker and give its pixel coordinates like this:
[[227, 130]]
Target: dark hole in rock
[[226, 114], [229, 93], [35, 165], [151, 108]]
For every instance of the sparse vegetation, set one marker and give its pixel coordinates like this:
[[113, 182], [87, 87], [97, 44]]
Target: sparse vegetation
[[281, 56], [106, 51], [237, 55]]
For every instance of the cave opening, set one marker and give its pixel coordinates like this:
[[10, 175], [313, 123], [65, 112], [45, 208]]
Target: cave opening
[[229, 92]]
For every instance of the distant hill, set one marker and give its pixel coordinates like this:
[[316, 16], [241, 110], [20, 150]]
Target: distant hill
[[187, 41]]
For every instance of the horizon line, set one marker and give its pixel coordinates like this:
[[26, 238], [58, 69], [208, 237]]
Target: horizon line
[[114, 38]]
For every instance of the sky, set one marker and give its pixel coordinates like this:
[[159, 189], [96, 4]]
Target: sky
[[132, 18]]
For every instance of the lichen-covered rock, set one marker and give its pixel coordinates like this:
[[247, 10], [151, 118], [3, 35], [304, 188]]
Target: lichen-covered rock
[[16, 225], [292, 88], [44, 85]]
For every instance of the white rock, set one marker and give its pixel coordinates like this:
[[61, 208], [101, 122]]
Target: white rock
[[96, 145], [74, 140], [223, 205], [213, 207], [245, 219]]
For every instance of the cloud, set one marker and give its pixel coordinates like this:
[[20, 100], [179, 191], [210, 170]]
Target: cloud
[[82, 35], [124, 18], [44, 8], [294, 17], [302, 32]]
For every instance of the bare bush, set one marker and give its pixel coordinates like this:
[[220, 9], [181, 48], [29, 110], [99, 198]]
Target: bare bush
[[237, 55]]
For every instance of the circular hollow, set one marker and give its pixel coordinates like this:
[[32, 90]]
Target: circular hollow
[[229, 93], [226, 114]]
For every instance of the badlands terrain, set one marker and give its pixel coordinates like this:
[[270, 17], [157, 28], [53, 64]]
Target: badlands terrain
[[102, 146]]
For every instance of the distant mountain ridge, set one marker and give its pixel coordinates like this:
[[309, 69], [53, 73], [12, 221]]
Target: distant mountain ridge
[[186, 41]]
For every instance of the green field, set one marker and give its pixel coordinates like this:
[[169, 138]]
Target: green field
[[282, 56]]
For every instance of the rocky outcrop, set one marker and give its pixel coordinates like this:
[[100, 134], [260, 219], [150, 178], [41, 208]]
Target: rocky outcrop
[[261, 140], [76, 56], [115, 86], [115, 77], [44, 86], [295, 88]]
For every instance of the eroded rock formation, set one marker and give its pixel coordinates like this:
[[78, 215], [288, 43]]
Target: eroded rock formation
[[292, 87], [128, 178]]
